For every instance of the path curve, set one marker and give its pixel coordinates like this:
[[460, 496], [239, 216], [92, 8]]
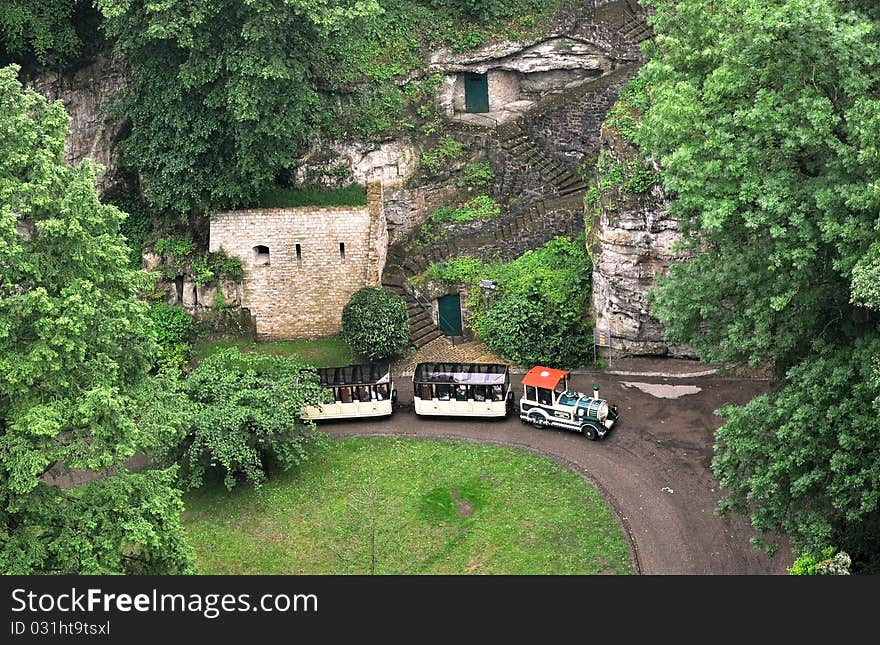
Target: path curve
[[653, 468]]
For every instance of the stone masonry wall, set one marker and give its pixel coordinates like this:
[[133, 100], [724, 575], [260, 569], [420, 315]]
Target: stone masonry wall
[[303, 297], [569, 127]]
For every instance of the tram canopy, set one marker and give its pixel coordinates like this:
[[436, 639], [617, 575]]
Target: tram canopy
[[364, 374], [461, 373]]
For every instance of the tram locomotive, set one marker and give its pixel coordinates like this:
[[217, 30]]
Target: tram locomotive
[[466, 390]]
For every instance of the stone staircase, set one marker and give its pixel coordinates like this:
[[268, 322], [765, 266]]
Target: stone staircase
[[514, 140], [635, 28], [422, 329], [534, 221]]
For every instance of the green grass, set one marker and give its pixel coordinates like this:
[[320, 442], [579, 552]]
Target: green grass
[[323, 352], [439, 508], [291, 197]]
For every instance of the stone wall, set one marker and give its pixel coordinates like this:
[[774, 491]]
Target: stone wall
[[633, 245], [569, 125], [301, 294], [86, 94]]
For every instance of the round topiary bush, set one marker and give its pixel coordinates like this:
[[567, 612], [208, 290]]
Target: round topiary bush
[[375, 323]]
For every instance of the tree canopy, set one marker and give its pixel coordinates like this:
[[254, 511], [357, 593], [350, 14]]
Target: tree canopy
[[765, 118], [246, 417], [75, 354]]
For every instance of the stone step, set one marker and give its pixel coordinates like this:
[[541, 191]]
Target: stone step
[[427, 338]]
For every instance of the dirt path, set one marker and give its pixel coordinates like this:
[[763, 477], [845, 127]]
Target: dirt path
[[654, 467]]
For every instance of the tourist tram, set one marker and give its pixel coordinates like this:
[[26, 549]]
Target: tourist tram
[[462, 389], [548, 401], [364, 390], [467, 390]]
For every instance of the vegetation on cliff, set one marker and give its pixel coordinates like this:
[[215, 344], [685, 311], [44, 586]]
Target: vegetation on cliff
[[764, 117]]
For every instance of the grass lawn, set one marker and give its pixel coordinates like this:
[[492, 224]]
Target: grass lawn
[[323, 352], [429, 507]]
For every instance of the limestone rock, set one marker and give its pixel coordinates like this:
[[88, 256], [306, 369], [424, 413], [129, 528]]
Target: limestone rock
[[337, 163], [85, 94], [635, 236]]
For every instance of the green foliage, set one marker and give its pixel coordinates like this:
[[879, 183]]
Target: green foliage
[[138, 225], [246, 417], [435, 159], [175, 253], [375, 323], [477, 176], [828, 563], [224, 95], [478, 208], [866, 279], [48, 31], [536, 315], [173, 329], [772, 161], [75, 355], [625, 115], [803, 461], [354, 195]]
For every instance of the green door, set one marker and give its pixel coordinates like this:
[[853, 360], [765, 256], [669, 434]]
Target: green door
[[476, 93], [450, 314]]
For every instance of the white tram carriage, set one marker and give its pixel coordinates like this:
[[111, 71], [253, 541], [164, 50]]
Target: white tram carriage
[[364, 390], [462, 389]]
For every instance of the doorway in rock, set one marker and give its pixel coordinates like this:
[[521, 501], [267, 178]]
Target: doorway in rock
[[449, 312], [476, 92]]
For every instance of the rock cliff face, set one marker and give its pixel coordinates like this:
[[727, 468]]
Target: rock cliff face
[[86, 94], [634, 237]]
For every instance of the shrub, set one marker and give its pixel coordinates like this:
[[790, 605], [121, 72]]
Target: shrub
[[477, 176], [480, 207], [247, 416], [173, 329], [828, 564], [536, 315], [375, 323]]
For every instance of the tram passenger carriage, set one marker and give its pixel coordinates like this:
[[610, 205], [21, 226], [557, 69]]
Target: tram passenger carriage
[[364, 390], [462, 389]]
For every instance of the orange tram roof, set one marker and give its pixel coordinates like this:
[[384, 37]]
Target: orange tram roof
[[545, 377]]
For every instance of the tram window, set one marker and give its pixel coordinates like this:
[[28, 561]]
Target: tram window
[[545, 397], [443, 392], [425, 392], [479, 393], [531, 393], [461, 393], [561, 386], [363, 393], [497, 393], [381, 392], [345, 394]]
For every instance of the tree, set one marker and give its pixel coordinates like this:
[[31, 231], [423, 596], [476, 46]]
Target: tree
[[764, 117], [375, 323], [75, 354], [247, 416], [221, 93]]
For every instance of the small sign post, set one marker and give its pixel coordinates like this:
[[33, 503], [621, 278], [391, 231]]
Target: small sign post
[[601, 338]]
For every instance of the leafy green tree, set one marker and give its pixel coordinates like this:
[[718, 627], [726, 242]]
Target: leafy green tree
[[764, 117], [222, 94], [247, 417], [44, 30], [75, 352], [375, 323]]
